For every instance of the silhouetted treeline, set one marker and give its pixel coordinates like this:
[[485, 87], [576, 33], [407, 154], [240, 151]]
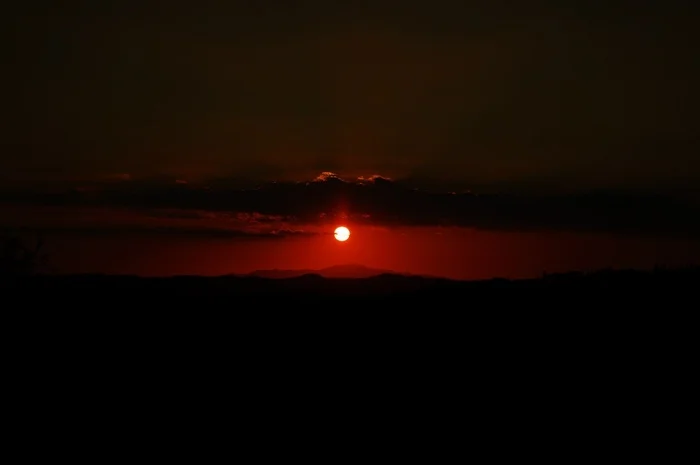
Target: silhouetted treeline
[[19, 258]]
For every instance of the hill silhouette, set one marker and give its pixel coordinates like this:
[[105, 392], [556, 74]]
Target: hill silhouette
[[353, 271], [598, 290], [558, 316]]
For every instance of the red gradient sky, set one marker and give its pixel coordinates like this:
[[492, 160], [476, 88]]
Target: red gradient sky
[[207, 123], [188, 242], [450, 252]]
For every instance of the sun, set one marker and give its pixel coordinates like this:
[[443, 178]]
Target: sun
[[342, 233]]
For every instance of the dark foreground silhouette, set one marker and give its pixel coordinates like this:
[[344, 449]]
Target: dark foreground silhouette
[[594, 348], [583, 340], [604, 288]]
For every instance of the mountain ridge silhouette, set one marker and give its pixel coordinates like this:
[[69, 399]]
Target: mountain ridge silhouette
[[351, 270]]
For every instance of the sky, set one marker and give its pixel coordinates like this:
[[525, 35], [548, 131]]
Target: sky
[[510, 117]]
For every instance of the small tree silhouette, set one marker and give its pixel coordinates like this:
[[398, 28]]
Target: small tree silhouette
[[17, 259]]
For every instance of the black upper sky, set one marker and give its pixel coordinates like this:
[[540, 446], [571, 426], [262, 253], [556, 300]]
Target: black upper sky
[[580, 94]]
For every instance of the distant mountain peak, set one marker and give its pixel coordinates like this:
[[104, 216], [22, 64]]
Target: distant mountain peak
[[351, 270]]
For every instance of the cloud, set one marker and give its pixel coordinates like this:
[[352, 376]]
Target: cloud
[[375, 180], [287, 208], [328, 176], [142, 230], [109, 220]]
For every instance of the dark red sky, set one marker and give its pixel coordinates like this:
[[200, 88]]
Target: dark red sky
[[581, 114], [565, 93]]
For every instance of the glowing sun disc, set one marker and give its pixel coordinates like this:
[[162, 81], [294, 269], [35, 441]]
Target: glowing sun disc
[[341, 233]]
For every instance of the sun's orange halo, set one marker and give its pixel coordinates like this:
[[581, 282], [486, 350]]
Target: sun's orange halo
[[341, 233]]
